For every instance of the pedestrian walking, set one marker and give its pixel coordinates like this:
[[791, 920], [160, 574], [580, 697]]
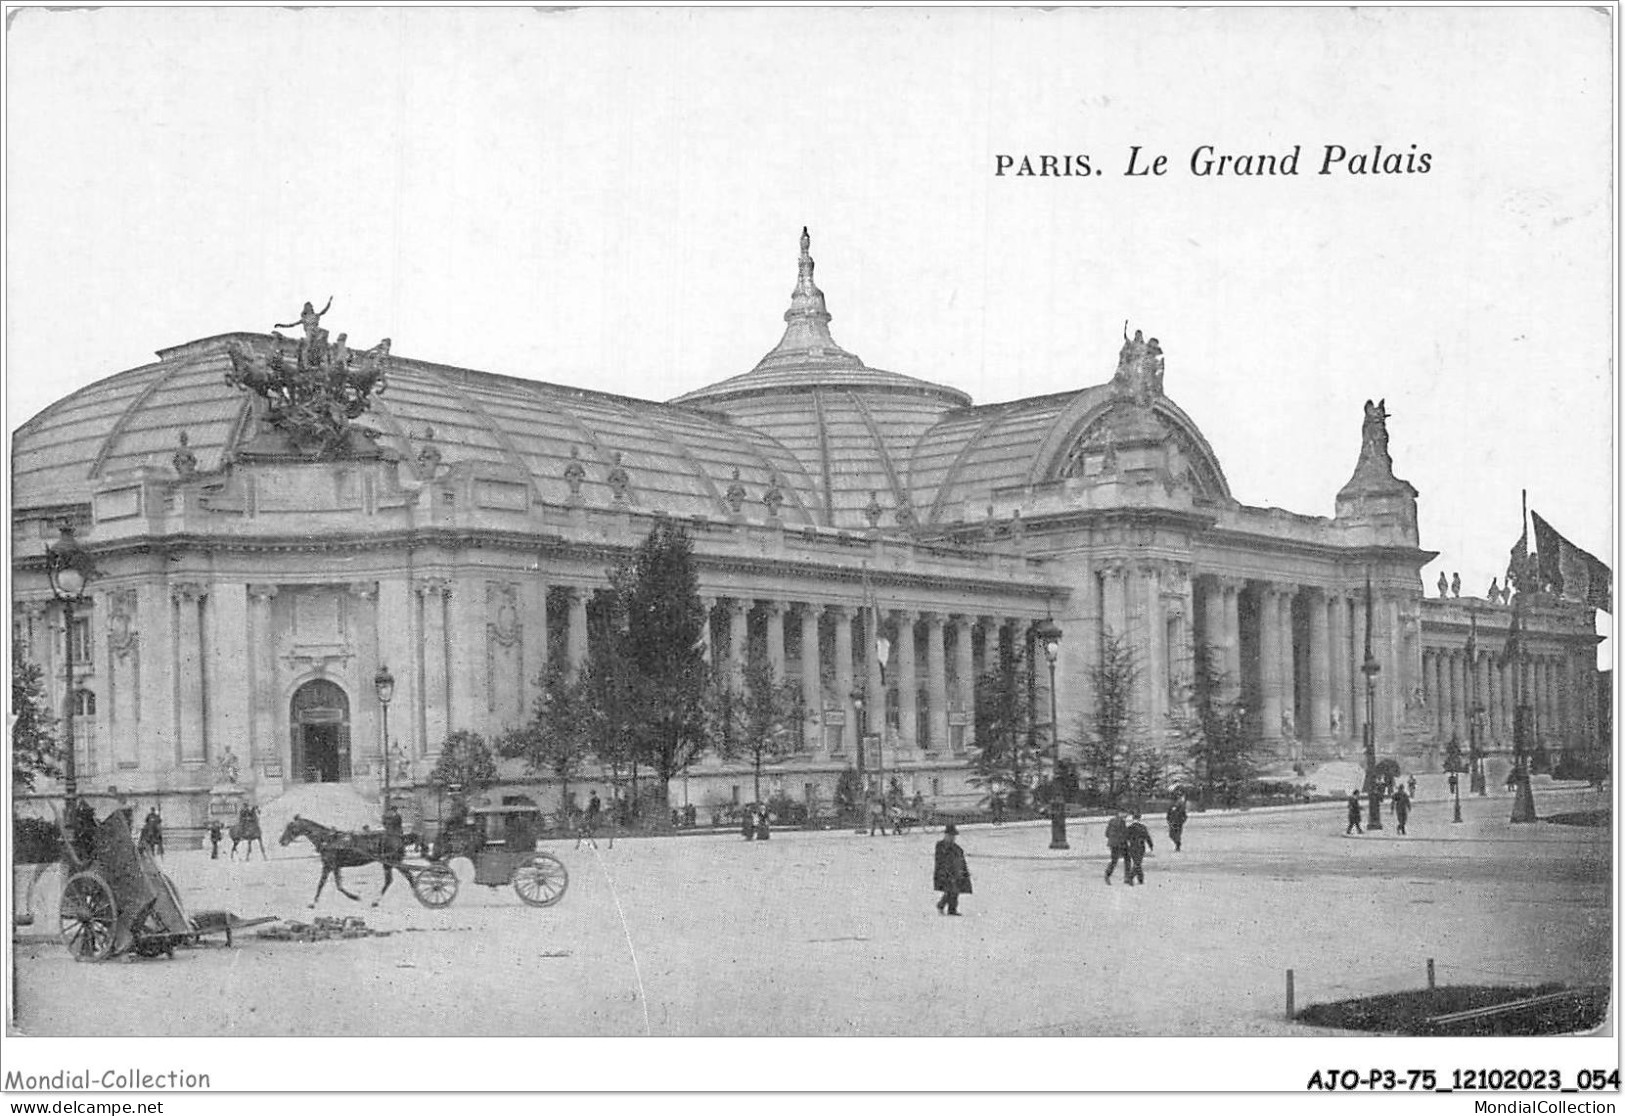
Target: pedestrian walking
[[1176, 820], [215, 833], [1410, 787], [950, 874], [152, 833], [877, 815], [1354, 814], [1402, 809], [589, 822], [1138, 839], [1117, 842]]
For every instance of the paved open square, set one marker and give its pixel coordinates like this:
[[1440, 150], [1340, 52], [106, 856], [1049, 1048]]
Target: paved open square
[[830, 933]]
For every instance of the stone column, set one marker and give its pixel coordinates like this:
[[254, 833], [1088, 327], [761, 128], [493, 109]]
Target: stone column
[[1492, 697], [189, 693], [965, 668], [1398, 673], [1269, 661], [1356, 661], [434, 593], [1289, 665], [1155, 658], [707, 608], [841, 616], [812, 678], [773, 613], [874, 693], [908, 688], [1213, 624], [738, 642], [1320, 670], [1460, 697], [1337, 664], [1231, 661], [575, 636], [936, 682], [264, 747]]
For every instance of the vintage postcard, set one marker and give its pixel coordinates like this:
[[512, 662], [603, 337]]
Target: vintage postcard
[[810, 524]]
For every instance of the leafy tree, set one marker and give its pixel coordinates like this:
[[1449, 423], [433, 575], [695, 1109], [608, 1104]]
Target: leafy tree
[[1452, 757], [758, 723], [1221, 753], [34, 748], [466, 761], [657, 594], [558, 738], [1110, 744], [1006, 751]]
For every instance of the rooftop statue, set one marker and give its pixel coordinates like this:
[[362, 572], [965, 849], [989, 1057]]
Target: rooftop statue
[[314, 397], [1374, 434], [1139, 368]]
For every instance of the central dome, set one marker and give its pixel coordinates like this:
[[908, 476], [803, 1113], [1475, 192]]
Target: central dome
[[807, 358]]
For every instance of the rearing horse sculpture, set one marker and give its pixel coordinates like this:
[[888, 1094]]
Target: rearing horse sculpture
[[339, 849]]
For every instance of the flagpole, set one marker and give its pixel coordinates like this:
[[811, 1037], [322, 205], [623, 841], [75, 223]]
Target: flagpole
[[1523, 802]]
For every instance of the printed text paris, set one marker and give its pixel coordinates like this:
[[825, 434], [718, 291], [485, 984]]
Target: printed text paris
[[1207, 161]]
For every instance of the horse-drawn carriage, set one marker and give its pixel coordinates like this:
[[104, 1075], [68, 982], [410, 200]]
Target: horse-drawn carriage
[[538, 878], [117, 900]]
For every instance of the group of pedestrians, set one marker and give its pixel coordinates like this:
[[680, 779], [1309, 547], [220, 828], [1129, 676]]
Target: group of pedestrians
[[1401, 800], [1127, 839]]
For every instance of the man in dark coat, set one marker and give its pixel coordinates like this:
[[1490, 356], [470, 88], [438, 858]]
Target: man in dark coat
[[1176, 820], [1138, 839], [1117, 842], [950, 875], [215, 833], [1354, 814], [1402, 809]]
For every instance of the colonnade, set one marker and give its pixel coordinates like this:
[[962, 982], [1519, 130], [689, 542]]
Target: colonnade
[[1455, 683]]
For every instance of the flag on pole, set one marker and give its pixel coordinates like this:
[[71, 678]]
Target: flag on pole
[[1514, 631], [1518, 562], [1570, 571]]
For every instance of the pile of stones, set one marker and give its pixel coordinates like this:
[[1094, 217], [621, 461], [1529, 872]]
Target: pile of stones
[[322, 930]]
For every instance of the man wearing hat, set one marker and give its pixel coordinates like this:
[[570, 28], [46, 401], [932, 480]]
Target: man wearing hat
[[951, 875], [1117, 842]]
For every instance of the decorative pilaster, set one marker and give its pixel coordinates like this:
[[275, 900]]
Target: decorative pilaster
[[1230, 661], [190, 696], [1289, 664], [434, 597], [403, 653]]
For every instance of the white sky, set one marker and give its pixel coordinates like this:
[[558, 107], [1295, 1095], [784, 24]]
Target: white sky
[[612, 198]]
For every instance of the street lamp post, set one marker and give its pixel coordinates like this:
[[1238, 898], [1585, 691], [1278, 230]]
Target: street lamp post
[[857, 696], [1049, 637], [70, 570], [383, 683], [1371, 668]]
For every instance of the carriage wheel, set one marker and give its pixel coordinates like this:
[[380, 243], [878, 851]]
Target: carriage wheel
[[89, 918], [435, 886], [541, 880]]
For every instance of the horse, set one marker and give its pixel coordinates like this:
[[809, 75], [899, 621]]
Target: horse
[[247, 828], [339, 849], [37, 846]]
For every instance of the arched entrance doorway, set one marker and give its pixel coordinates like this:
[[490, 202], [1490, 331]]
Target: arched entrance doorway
[[319, 717]]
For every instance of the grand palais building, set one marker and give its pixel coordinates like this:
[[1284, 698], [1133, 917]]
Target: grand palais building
[[252, 574]]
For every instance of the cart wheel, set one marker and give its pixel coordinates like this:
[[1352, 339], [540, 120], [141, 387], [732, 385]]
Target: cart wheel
[[89, 917], [541, 880], [435, 886]]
